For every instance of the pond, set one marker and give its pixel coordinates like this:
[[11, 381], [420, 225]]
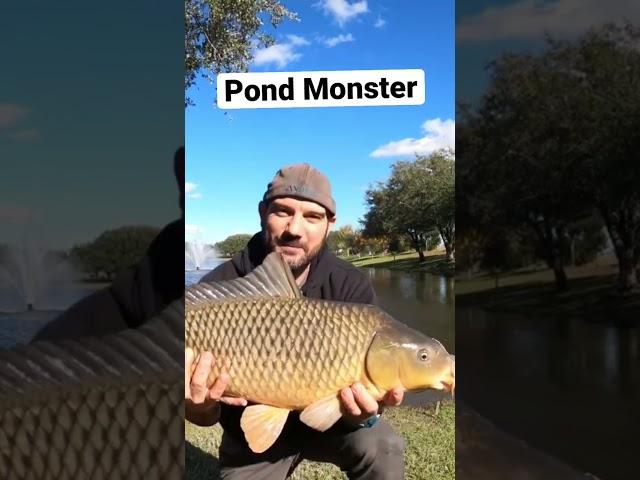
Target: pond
[[567, 387], [17, 325]]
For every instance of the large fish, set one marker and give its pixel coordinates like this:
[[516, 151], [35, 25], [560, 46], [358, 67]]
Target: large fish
[[96, 408], [285, 352]]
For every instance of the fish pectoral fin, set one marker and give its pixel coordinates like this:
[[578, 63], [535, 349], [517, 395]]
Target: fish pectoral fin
[[262, 425], [321, 415]]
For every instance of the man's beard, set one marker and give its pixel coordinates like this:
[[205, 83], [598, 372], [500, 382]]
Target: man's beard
[[299, 263]]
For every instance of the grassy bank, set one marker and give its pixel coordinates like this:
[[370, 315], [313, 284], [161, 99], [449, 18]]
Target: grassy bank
[[430, 453], [434, 262], [591, 294]]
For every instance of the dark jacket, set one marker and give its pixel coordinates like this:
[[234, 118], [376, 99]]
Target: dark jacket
[[329, 279]]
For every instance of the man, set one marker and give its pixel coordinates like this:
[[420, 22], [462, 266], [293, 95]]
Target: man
[[296, 215]]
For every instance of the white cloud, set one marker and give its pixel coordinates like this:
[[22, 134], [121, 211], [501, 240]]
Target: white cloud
[[533, 18], [297, 40], [190, 229], [280, 54], [380, 22], [438, 134], [190, 190], [337, 40], [342, 10]]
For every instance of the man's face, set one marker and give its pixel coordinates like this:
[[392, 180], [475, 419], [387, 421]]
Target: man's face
[[296, 229]]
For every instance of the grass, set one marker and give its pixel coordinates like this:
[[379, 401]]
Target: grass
[[536, 274], [430, 452], [435, 262], [591, 294]]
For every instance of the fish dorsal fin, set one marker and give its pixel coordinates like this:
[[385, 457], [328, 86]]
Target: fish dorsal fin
[[272, 278]]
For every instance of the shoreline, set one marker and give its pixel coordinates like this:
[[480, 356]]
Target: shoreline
[[434, 263], [591, 295]]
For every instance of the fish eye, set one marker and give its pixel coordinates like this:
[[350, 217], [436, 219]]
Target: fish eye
[[423, 355]]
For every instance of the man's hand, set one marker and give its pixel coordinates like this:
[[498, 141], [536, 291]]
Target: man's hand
[[359, 405], [202, 404]]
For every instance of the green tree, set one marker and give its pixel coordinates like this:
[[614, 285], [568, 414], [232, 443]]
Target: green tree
[[232, 244], [220, 35], [604, 66], [346, 240], [417, 200], [332, 241], [522, 155], [113, 251], [555, 138]]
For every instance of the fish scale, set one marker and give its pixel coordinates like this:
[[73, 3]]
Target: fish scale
[[96, 409], [285, 352]]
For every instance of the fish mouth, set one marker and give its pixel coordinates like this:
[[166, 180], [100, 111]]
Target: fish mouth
[[447, 383], [447, 386]]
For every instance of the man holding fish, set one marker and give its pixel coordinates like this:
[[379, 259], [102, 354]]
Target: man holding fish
[[297, 213]]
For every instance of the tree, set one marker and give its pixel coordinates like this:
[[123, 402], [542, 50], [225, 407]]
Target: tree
[[605, 68], [346, 240], [220, 35], [232, 244], [523, 157], [417, 200], [113, 251], [439, 184]]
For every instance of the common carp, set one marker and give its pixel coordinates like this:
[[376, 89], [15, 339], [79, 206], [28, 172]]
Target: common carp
[[96, 408], [284, 352]]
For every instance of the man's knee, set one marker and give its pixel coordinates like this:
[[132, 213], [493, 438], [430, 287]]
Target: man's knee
[[391, 444], [377, 446]]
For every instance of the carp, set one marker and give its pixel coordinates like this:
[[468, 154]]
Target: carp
[[98, 408], [284, 352]]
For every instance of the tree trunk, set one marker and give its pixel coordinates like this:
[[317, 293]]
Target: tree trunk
[[551, 238], [627, 273], [418, 242], [449, 253], [447, 236], [624, 249], [560, 274]]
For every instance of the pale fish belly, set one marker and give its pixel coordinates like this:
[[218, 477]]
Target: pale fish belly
[[284, 352]]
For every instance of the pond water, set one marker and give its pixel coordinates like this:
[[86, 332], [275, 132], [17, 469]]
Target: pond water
[[19, 326], [567, 387]]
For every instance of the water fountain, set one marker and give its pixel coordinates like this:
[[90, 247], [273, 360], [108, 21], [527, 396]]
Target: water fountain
[[198, 256], [35, 285]]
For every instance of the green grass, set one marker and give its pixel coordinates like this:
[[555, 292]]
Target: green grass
[[591, 294], [434, 262], [430, 452], [530, 275]]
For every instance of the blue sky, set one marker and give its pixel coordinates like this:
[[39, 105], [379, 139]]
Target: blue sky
[[91, 112], [232, 155], [485, 30]]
